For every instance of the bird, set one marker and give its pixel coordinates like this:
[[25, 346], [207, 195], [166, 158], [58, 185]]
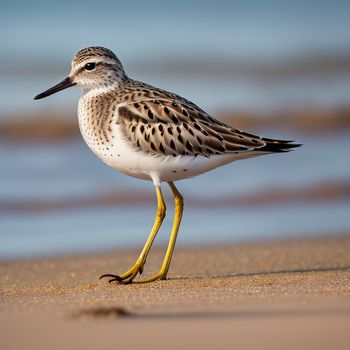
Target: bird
[[152, 134]]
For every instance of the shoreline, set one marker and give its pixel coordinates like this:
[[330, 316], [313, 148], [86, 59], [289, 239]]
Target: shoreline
[[213, 294]]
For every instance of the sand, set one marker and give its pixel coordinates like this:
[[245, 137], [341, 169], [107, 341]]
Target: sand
[[269, 295]]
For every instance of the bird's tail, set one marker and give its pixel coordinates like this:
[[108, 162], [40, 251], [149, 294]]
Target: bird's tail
[[277, 146]]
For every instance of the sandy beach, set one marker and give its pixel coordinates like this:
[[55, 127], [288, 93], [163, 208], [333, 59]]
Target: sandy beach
[[280, 70], [276, 294]]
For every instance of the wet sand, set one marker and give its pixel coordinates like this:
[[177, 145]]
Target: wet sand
[[279, 294]]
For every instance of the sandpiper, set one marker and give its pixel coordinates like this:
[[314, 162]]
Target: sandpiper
[[152, 134]]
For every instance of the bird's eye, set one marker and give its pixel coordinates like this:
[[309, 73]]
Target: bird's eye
[[90, 66]]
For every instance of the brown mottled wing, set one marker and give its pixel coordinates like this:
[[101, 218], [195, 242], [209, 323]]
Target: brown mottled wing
[[169, 127]]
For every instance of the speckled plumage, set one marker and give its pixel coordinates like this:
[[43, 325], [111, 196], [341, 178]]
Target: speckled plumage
[[152, 134], [121, 115]]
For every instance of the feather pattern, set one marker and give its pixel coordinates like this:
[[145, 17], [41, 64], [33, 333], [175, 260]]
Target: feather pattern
[[171, 125]]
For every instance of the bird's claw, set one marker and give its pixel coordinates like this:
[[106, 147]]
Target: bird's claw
[[115, 278], [126, 277]]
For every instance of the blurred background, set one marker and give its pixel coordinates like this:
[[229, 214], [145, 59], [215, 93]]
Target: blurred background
[[276, 68]]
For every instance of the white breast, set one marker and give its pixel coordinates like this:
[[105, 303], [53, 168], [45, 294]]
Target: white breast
[[120, 154]]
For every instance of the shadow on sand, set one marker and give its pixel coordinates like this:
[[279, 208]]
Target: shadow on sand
[[121, 312]]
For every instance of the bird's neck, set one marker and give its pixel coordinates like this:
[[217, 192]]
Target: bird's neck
[[101, 89]]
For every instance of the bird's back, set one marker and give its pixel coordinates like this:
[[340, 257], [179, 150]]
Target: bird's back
[[142, 130]]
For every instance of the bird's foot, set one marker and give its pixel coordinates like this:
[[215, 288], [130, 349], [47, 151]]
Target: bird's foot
[[161, 275], [128, 276]]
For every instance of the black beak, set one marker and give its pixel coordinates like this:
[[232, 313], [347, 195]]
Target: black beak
[[64, 84]]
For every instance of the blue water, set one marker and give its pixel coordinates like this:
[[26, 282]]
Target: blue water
[[42, 37], [156, 41], [115, 228], [70, 171]]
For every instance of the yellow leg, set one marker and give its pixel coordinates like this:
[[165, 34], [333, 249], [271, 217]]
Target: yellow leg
[[128, 276], [169, 253]]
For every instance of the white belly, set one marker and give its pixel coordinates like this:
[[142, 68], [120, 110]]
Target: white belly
[[120, 154], [162, 168]]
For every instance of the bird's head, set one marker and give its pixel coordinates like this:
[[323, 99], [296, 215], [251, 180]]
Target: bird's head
[[92, 67]]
